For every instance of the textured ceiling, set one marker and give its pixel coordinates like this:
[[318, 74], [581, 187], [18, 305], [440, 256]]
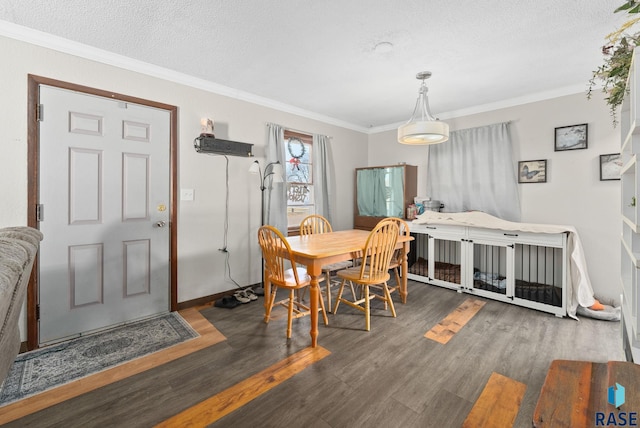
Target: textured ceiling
[[354, 61]]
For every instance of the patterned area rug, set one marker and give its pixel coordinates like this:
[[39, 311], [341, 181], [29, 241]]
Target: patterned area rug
[[36, 371]]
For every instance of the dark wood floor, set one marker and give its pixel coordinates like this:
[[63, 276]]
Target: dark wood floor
[[391, 376]]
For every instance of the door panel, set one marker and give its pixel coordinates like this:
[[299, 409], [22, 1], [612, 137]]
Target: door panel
[[105, 185], [85, 186], [447, 260], [491, 268], [85, 275], [539, 273]]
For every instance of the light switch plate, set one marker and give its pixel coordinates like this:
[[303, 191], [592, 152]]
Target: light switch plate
[[187, 194]]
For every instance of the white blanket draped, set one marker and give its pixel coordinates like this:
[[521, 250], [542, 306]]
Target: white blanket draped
[[579, 290]]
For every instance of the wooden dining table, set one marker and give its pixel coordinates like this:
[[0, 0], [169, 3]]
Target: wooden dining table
[[317, 250]]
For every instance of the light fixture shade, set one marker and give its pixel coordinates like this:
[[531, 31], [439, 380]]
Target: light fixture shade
[[255, 167], [423, 132], [423, 128]]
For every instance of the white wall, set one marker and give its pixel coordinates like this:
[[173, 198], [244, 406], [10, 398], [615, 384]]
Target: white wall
[[201, 267], [573, 194]]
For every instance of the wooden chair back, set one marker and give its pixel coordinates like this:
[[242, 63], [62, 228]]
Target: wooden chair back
[[277, 255], [378, 251], [396, 260], [403, 230], [403, 226], [314, 223]]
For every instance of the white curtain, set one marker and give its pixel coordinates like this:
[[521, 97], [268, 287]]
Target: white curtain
[[475, 170], [322, 176], [275, 194]]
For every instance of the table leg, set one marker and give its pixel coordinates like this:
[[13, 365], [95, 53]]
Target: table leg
[[405, 268], [314, 296]]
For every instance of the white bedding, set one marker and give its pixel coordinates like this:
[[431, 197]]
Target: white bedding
[[579, 291]]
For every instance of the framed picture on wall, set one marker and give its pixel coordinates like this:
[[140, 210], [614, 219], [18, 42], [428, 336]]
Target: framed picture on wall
[[610, 166], [533, 171], [572, 137]]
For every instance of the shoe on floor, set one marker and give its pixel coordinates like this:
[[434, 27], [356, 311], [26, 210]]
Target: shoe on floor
[[241, 296], [226, 302], [248, 292]]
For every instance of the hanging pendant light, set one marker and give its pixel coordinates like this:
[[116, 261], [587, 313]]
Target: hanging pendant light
[[423, 128]]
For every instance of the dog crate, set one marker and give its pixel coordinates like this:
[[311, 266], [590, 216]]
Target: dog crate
[[526, 269]]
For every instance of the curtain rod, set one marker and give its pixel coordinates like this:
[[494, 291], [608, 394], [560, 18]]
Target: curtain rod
[[506, 122], [297, 130]]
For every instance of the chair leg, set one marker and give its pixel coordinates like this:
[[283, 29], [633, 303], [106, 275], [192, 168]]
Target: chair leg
[[335, 308], [327, 274], [367, 310], [386, 305], [353, 291], [290, 314], [301, 294], [387, 296], [401, 292], [322, 308], [272, 299]]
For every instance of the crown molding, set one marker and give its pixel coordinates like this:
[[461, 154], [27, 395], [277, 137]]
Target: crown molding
[[71, 47], [513, 102], [81, 50], [498, 105]]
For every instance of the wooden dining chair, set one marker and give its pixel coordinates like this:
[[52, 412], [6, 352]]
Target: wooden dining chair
[[314, 224], [373, 270], [396, 259], [277, 256]]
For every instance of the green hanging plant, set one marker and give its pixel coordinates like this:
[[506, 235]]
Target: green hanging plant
[[618, 53]]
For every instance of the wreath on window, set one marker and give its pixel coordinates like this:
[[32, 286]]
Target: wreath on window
[[296, 149]]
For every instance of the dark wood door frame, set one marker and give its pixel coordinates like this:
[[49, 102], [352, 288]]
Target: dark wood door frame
[[33, 171]]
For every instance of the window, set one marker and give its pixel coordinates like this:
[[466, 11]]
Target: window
[[299, 177]]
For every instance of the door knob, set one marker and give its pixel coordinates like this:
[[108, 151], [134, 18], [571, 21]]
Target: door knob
[[160, 223]]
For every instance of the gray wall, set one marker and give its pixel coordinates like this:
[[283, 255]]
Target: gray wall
[[573, 195]]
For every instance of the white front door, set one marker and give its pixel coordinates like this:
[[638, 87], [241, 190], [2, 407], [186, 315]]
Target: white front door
[[104, 192]]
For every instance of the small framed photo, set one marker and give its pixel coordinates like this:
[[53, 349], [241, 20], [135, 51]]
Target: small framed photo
[[572, 137], [533, 171], [610, 166]]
